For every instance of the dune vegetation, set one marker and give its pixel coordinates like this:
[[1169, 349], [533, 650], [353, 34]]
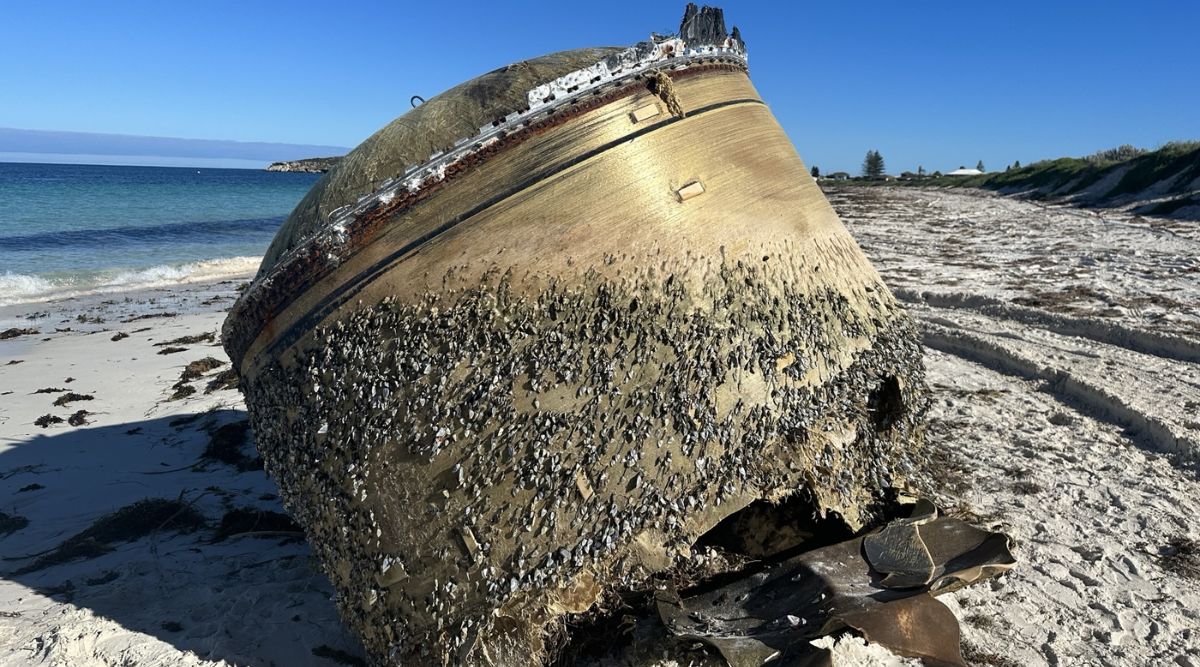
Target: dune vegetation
[[1163, 182]]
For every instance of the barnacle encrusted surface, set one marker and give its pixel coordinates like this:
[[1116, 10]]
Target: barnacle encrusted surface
[[475, 462]]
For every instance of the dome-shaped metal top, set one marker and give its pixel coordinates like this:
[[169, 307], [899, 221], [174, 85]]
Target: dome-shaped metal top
[[412, 138]]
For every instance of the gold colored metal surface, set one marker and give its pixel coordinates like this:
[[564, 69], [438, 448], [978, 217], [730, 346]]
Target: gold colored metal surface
[[508, 172], [623, 193]]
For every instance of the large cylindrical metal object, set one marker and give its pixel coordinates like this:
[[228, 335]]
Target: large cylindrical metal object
[[494, 393]]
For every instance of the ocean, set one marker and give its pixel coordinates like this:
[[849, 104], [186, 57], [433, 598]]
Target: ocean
[[71, 229]]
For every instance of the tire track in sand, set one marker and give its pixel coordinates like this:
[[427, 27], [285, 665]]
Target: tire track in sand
[[1144, 394]]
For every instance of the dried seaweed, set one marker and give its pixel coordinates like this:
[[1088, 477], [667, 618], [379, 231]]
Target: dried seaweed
[[11, 523], [199, 367], [71, 397], [226, 446], [226, 379], [253, 522], [149, 316], [206, 337], [46, 420], [14, 332], [127, 524]]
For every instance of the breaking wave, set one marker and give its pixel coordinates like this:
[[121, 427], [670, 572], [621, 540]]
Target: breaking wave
[[22, 288]]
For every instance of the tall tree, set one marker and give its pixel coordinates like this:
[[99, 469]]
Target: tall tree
[[979, 166], [872, 165], [920, 171], [816, 172], [1017, 164]]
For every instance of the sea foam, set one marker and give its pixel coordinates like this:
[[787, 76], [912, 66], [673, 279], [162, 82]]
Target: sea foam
[[18, 287], [22, 288]]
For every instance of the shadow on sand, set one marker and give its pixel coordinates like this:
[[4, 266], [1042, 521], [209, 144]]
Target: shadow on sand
[[134, 524]]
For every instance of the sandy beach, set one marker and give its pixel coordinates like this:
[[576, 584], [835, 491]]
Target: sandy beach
[[1063, 349], [137, 526], [213, 574]]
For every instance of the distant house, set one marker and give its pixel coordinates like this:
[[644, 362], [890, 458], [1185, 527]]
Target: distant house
[[839, 176], [963, 171]]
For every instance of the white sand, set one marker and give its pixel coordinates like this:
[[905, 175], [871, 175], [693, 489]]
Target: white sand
[[1065, 361], [243, 601], [1075, 431]]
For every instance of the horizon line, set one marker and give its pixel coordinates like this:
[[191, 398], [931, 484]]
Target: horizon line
[[74, 143]]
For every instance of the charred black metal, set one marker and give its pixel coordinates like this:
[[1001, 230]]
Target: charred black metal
[[703, 25]]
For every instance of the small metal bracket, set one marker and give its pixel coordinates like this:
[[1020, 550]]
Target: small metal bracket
[[690, 190], [645, 112]]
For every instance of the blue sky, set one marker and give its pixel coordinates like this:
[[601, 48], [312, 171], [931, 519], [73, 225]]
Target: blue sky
[[934, 83]]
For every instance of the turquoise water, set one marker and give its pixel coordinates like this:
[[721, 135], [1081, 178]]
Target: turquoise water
[[76, 228]]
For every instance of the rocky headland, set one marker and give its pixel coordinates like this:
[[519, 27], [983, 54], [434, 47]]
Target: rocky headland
[[312, 165]]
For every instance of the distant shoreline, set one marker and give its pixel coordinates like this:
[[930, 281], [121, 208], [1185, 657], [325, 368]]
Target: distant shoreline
[[312, 165], [130, 161]]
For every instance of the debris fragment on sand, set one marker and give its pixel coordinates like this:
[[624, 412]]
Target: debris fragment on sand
[[777, 606]]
